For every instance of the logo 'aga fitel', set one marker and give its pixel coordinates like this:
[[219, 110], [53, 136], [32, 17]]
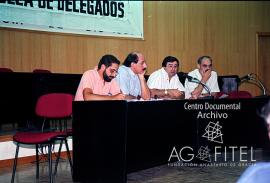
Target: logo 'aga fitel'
[[213, 132], [204, 154]]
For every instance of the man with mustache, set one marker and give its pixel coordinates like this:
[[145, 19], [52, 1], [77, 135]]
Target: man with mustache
[[164, 83], [99, 84], [131, 77]]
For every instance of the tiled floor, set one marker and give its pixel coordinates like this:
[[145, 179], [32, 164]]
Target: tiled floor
[[160, 174], [186, 174], [220, 173]]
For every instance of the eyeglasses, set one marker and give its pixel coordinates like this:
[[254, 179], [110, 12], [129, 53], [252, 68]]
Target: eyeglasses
[[113, 71], [205, 65]]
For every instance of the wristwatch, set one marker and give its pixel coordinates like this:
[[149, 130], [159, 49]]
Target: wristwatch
[[166, 92]]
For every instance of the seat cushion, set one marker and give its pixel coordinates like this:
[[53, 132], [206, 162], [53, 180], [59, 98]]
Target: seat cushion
[[36, 137]]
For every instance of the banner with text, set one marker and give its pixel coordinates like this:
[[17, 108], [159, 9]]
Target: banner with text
[[99, 17]]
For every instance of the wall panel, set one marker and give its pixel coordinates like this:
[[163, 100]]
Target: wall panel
[[187, 30]]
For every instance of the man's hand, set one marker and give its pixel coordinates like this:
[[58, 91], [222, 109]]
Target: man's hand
[[119, 96], [195, 94], [206, 75], [175, 94], [141, 75]]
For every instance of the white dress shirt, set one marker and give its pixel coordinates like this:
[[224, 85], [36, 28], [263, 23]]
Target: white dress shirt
[[212, 83], [160, 80]]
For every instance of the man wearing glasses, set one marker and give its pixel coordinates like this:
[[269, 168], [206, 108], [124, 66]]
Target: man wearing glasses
[[164, 83], [206, 76], [99, 83]]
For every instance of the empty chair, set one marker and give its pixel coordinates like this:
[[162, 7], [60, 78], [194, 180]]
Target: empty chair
[[68, 133], [5, 69], [35, 138], [49, 106], [239, 94], [57, 106], [228, 83], [41, 71]]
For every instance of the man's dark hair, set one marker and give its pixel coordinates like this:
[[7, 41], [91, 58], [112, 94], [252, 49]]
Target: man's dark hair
[[132, 57], [169, 59], [108, 60], [200, 59]]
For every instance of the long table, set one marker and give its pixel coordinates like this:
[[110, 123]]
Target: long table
[[23, 89], [114, 138]]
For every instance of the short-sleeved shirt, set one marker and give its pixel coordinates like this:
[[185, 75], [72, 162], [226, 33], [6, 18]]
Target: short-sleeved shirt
[[212, 83], [128, 81], [160, 80], [92, 80]]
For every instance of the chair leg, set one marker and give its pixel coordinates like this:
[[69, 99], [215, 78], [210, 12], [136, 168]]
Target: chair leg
[[65, 124], [50, 162], [69, 157], [43, 123], [58, 157], [37, 162], [15, 163], [60, 125]]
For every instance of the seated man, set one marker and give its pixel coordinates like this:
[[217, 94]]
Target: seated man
[[131, 77], [205, 75], [164, 83], [99, 84]]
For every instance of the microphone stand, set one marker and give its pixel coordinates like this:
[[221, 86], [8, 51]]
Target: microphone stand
[[257, 82], [260, 84], [195, 80]]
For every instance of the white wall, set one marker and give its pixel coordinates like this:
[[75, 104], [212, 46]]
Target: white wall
[[8, 149]]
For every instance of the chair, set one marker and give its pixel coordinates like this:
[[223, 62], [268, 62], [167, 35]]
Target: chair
[[41, 71], [57, 106], [228, 83], [49, 106], [239, 94], [35, 138], [182, 77], [68, 133], [5, 69]]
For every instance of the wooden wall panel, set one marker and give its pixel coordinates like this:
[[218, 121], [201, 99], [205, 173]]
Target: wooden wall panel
[[224, 30]]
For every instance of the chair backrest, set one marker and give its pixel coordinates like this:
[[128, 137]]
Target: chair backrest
[[146, 77], [5, 69], [41, 71], [228, 83], [182, 77], [239, 94], [54, 105]]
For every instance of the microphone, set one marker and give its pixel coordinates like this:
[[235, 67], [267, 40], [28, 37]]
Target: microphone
[[246, 77], [191, 79], [195, 80]]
